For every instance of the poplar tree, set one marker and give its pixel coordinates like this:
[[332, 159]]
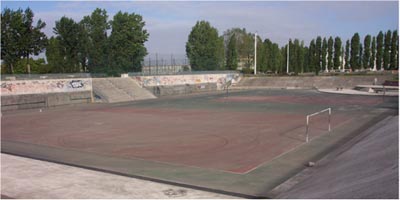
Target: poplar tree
[[347, 55], [395, 51], [324, 54], [338, 53], [372, 61], [311, 57], [330, 53], [232, 54], [367, 52], [386, 53], [318, 48], [355, 52], [379, 50]]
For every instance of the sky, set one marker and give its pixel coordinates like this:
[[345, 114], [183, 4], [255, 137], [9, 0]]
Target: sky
[[169, 23]]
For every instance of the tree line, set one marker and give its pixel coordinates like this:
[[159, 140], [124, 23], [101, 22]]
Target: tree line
[[234, 49], [94, 44]]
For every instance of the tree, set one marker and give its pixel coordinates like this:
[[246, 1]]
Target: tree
[[37, 66], [386, 53], [330, 53], [373, 53], [19, 38], [360, 63], [324, 54], [261, 55], [268, 56], [33, 40], [379, 50], [245, 45], [126, 43], [11, 27], [312, 57], [355, 52], [275, 58], [232, 54], [338, 53], [300, 57], [318, 48], [68, 36], [54, 55], [394, 54], [204, 48], [367, 52], [347, 55], [96, 26]]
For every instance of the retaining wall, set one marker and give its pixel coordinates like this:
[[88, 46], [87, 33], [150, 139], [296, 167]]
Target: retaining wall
[[24, 94], [320, 82], [166, 90], [172, 80]]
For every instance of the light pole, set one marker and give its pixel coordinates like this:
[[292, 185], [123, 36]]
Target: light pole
[[287, 59], [255, 53]]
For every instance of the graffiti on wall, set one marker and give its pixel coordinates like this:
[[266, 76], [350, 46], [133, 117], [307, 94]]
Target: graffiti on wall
[[44, 86], [169, 80]]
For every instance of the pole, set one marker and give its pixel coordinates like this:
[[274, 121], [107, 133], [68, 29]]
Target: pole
[[329, 125], [255, 53], [307, 130], [287, 59]]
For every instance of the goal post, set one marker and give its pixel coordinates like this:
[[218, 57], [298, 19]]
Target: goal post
[[329, 110]]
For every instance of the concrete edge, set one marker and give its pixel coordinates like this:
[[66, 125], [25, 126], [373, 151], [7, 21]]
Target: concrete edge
[[206, 189], [340, 148]]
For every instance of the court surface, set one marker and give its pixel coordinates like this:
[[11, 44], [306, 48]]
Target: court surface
[[245, 143]]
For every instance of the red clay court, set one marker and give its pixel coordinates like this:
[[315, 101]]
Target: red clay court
[[235, 134]]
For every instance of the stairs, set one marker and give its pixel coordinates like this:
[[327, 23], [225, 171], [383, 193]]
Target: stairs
[[113, 90]]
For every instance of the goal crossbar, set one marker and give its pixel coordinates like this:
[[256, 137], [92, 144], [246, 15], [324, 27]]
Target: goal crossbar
[[329, 110]]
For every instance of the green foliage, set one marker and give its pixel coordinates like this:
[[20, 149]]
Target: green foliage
[[244, 44], [373, 53], [311, 57], [324, 54], [96, 26], [33, 41], [261, 55], [232, 54], [19, 38], [386, 53], [11, 25], [367, 51], [394, 54], [126, 43], [355, 52], [54, 56], [330, 53], [379, 50], [338, 53], [347, 55], [204, 48], [318, 54], [67, 48], [37, 66]]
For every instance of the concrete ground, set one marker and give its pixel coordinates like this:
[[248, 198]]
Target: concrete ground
[[30, 179], [366, 167]]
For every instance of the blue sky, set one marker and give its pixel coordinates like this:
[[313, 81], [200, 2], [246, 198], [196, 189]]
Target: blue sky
[[169, 23]]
